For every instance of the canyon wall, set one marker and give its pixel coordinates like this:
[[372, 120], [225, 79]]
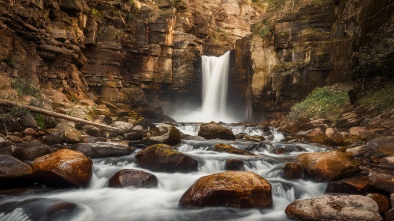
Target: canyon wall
[[148, 53]]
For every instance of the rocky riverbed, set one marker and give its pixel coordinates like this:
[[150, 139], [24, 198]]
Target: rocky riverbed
[[212, 165]]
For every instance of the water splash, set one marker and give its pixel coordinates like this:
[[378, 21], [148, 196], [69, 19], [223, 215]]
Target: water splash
[[215, 71]]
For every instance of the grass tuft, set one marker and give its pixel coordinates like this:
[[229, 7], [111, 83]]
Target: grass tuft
[[325, 102]]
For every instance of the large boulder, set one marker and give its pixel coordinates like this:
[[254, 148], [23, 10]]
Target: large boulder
[[166, 134], [215, 131], [134, 178], [102, 149], [326, 166], [238, 189], [230, 149], [30, 151], [63, 168], [334, 207], [161, 157], [14, 173]]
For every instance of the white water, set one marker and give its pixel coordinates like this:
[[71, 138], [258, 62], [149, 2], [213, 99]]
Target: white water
[[100, 203], [215, 72]]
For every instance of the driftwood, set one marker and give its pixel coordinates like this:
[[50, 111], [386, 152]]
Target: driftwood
[[58, 115]]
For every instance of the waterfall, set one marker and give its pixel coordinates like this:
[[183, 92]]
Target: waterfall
[[215, 79], [215, 73]]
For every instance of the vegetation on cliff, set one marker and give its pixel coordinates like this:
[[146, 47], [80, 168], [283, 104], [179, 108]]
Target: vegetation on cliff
[[326, 102]]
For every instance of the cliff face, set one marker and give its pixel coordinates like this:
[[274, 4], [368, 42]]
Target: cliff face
[[317, 43], [117, 48], [123, 50]]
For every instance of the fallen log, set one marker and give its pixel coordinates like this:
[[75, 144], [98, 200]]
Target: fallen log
[[57, 115]]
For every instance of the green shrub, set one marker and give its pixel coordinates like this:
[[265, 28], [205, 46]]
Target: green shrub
[[381, 99], [262, 28], [25, 87], [39, 118], [325, 102]]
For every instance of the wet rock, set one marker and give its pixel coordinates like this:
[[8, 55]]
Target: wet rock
[[166, 134], [215, 131], [63, 168], [334, 207], [389, 215], [135, 178], [293, 171], [27, 121], [334, 137], [326, 166], [124, 126], [161, 157], [354, 185], [144, 124], [102, 149], [30, 151], [55, 137], [73, 136], [233, 164], [92, 130], [38, 209], [65, 125], [381, 180], [196, 138], [382, 201], [30, 132], [238, 189], [4, 145], [358, 151], [230, 149], [316, 135], [133, 135], [14, 173], [382, 146]]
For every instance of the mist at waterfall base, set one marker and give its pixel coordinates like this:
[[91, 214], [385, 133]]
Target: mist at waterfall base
[[98, 202], [215, 71]]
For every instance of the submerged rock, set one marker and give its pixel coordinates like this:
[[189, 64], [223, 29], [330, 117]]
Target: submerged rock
[[39, 209], [230, 149], [238, 189], [233, 164], [14, 173], [326, 166], [135, 178], [215, 131], [63, 168], [334, 207], [102, 149], [161, 157]]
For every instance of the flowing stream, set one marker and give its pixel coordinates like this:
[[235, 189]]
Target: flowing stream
[[100, 203]]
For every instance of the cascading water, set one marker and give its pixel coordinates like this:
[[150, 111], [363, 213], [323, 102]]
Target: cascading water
[[215, 79], [97, 202], [215, 72]]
